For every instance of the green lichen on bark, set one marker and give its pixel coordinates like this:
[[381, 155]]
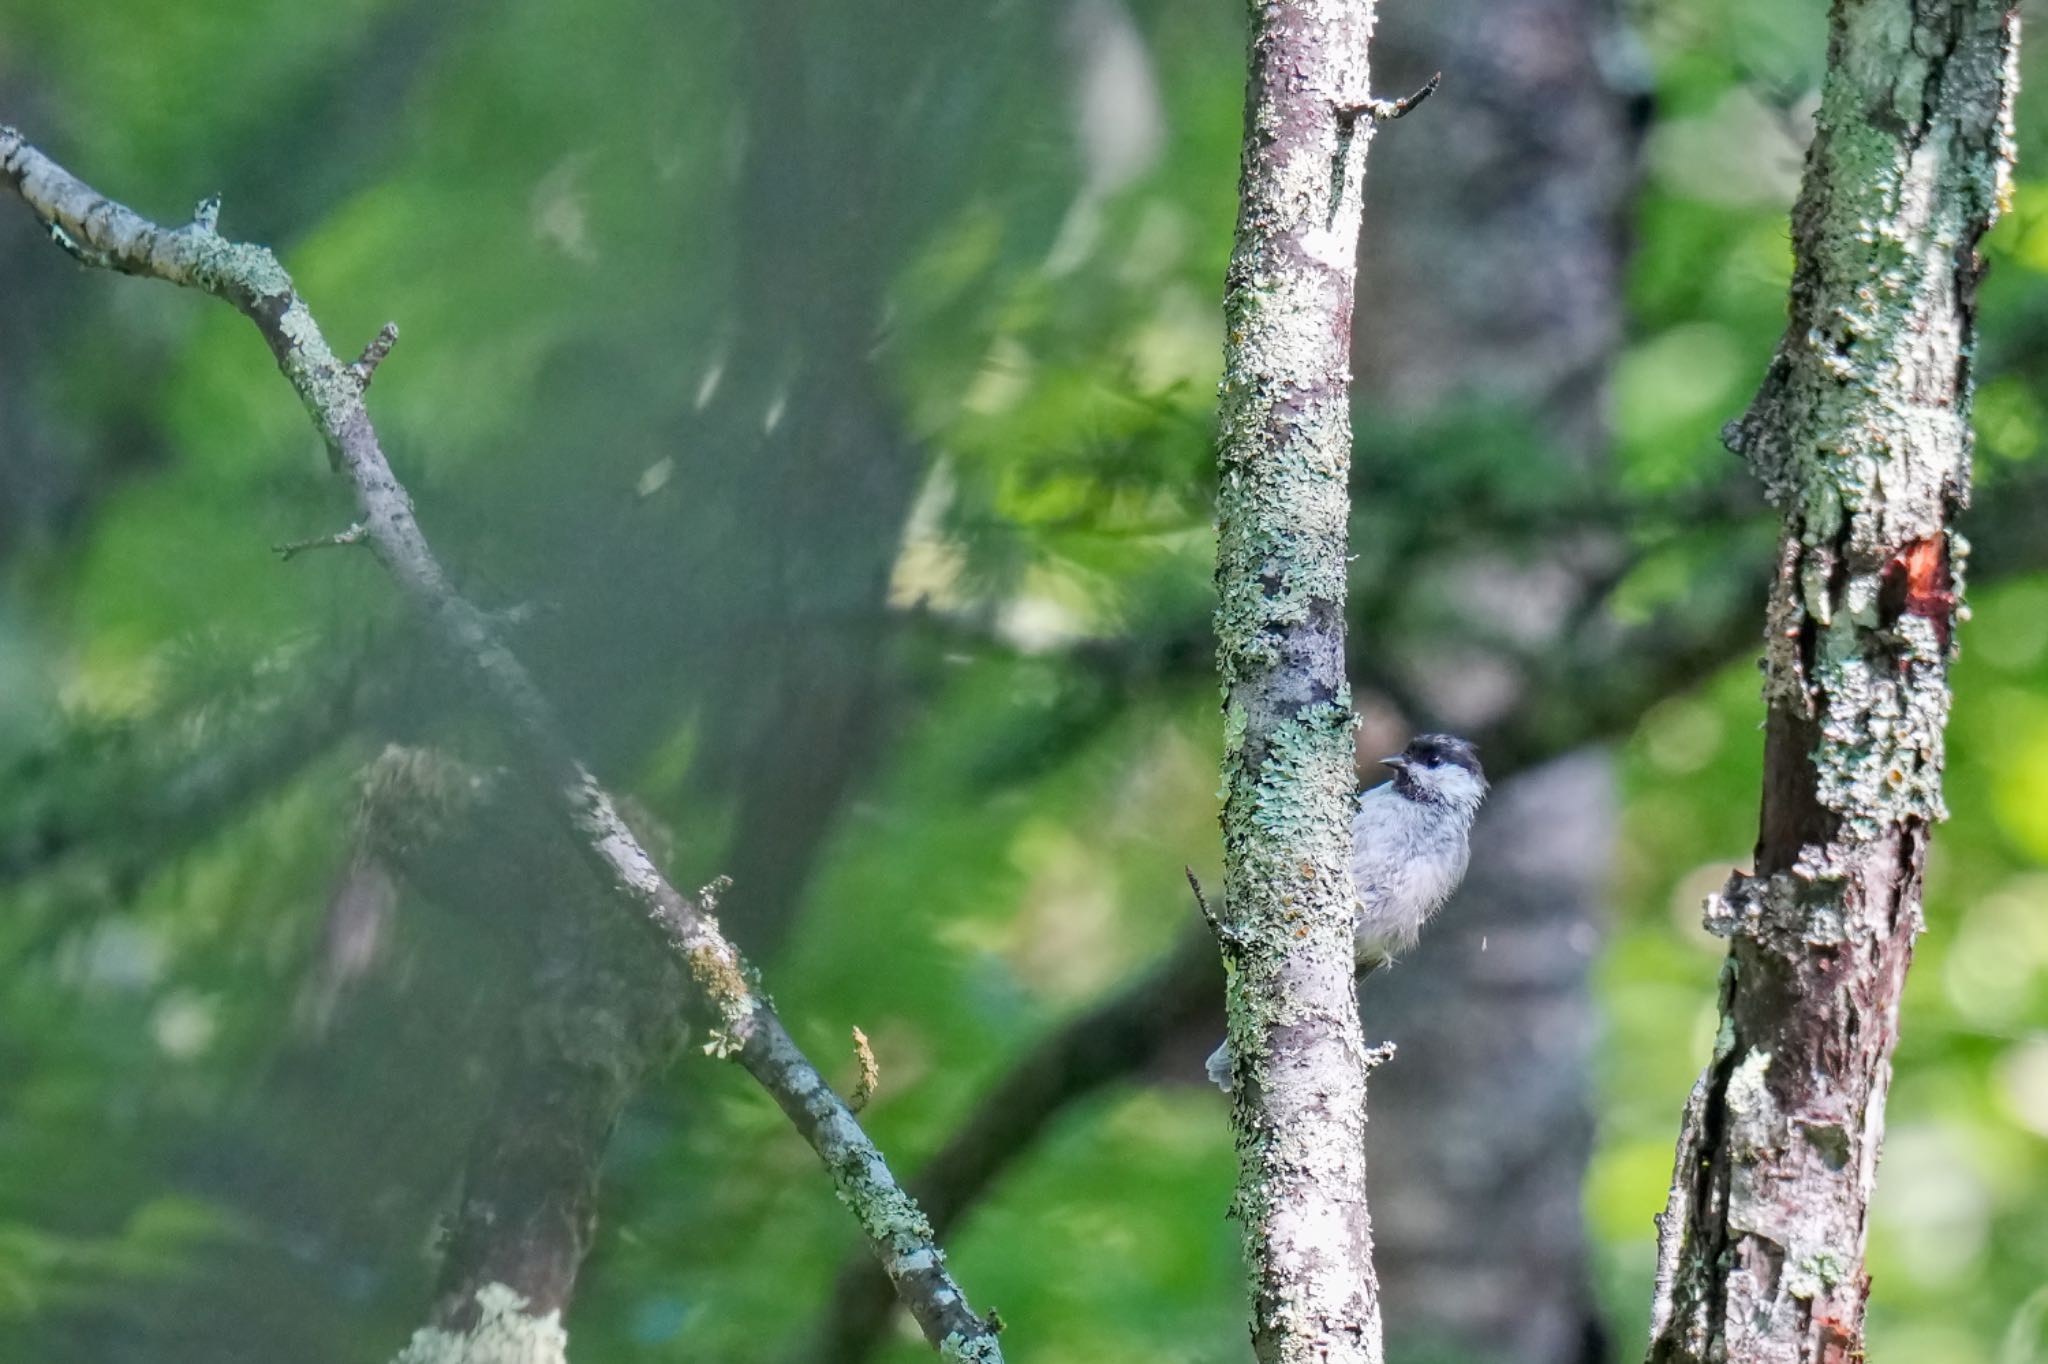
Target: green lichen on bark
[[1860, 435], [1861, 431], [1283, 510]]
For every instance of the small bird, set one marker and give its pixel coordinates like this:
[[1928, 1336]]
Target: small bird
[[1409, 848]]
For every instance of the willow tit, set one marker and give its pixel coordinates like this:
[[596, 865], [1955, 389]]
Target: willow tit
[[1409, 848]]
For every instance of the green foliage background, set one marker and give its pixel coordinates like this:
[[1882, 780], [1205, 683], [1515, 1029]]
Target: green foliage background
[[550, 199]]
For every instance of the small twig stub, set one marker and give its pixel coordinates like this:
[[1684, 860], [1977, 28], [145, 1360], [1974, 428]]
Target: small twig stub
[[356, 534], [364, 368], [1225, 934], [1387, 110]]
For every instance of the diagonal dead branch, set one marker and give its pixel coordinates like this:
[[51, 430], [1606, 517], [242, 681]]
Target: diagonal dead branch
[[722, 994]]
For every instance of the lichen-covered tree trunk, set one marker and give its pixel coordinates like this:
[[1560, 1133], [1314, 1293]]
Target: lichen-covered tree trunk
[[1861, 437], [1285, 459]]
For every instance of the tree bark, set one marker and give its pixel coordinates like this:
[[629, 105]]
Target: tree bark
[[1860, 435], [1282, 513]]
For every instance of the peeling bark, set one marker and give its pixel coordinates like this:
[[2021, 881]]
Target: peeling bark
[[1282, 511], [1860, 435]]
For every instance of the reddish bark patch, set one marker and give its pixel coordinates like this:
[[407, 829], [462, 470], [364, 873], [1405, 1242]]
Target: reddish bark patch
[[1918, 581]]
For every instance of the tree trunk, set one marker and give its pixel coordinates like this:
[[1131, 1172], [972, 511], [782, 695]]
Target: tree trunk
[[593, 1006], [1860, 435], [1282, 509]]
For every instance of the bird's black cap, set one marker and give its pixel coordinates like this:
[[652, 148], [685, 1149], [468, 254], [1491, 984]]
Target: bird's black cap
[[1440, 750]]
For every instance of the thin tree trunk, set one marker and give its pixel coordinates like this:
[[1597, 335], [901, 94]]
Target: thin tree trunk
[[1282, 510], [1861, 436]]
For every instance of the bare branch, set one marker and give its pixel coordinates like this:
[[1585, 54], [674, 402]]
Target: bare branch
[[365, 367], [722, 994], [1225, 934]]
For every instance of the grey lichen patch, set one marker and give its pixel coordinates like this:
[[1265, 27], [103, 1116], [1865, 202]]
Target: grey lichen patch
[[1879, 760], [892, 1219], [236, 271], [1299, 791], [1783, 913], [503, 1334], [1824, 925], [1755, 1123], [980, 1349], [1280, 565], [1735, 908], [1810, 1275], [1235, 724]]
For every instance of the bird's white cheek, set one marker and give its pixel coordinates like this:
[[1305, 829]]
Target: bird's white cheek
[[1459, 787]]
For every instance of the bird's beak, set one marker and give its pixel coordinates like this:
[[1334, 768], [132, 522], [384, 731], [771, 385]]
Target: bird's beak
[[1397, 762]]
